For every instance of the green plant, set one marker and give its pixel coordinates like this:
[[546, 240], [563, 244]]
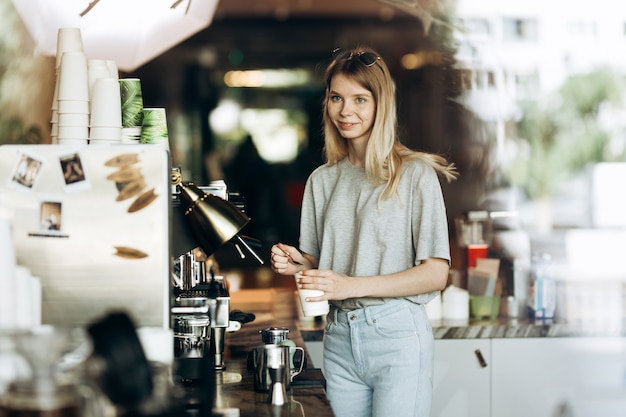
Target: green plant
[[560, 135]]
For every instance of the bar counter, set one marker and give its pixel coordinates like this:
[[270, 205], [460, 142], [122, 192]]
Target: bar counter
[[501, 328], [235, 384]]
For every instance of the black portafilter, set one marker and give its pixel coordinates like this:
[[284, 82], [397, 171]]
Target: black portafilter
[[213, 220]]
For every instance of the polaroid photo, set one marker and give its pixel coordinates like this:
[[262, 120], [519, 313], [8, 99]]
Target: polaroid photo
[[74, 171], [27, 169], [50, 219]]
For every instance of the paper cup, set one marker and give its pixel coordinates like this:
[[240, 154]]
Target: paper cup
[[68, 40], [106, 110], [73, 119], [96, 69], [310, 309], [55, 97], [73, 106], [73, 77], [131, 103], [73, 142], [73, 132], [113, 71], [98, 133], [131, 136], [154, 127]]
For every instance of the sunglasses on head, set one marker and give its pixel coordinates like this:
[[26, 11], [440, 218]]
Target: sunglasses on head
[[366, 58]]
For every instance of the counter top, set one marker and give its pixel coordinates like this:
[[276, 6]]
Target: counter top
[[497, 329], [235, 384]]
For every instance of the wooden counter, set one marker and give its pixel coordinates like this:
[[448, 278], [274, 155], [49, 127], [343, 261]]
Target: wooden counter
[[235, 384]]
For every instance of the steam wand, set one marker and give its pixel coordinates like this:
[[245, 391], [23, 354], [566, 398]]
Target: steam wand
[[243, 242]]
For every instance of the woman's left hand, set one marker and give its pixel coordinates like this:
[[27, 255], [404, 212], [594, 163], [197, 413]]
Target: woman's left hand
[[335, 286]]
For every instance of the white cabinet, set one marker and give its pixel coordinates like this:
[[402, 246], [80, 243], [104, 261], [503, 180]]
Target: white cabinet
[[551, 377], [461, 384], [537, 377]]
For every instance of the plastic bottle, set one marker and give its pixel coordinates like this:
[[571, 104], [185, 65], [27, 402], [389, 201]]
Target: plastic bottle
[[541, 288], [455, 304]]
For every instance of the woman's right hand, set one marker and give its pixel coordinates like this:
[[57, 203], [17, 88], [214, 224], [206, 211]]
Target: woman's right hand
[[286, 260]]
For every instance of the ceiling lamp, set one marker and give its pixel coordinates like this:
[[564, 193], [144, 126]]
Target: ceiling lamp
[[130, 33]]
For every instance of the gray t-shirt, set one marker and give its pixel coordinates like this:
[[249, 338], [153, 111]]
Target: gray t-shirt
[[345, 227]]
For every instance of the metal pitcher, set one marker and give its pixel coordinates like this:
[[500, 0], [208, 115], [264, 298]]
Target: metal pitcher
[[261, 358]]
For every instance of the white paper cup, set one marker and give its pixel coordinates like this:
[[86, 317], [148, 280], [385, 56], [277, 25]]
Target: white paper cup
[[73, 77], [99, 133], [73, 132], [96, 69], [73, 106], [68, 40], [309, 308], [73, 142], [106, 108], [73, 119]]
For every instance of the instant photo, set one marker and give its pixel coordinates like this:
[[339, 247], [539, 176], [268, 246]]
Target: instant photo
[[50, 220], [73, 171], [26, 171]]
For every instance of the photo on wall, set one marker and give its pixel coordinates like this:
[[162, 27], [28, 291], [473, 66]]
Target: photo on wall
[[74, 171], [26, 172], [50, 219]]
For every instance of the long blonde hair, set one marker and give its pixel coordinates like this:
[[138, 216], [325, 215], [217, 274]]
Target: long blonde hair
[[384, 154]]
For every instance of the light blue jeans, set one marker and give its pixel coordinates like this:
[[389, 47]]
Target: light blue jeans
[[378, 361]]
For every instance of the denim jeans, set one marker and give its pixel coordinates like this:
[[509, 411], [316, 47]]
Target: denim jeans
[[378, 361]]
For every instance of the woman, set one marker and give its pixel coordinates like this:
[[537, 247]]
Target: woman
[[374, 239]]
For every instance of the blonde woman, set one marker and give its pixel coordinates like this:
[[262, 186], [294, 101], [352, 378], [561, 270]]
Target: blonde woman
[[374, 239]]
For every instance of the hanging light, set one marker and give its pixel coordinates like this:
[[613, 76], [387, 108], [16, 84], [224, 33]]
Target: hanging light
[[212, 219]]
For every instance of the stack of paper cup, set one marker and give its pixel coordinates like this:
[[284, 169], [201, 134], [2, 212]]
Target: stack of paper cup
[[106, 113], [154, 127], [73, 99], [68, 40], [132, 109]]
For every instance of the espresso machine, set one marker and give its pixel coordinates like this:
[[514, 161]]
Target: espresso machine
[[202, 221], [200, 315]]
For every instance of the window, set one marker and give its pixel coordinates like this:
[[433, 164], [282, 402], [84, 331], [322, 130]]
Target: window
[[520, 29]]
